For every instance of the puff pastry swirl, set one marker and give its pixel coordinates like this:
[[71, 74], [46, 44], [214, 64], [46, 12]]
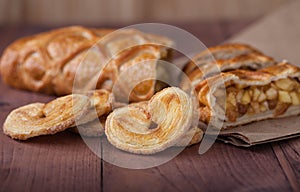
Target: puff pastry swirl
[[43, 119], [271, 92], [150, 127]]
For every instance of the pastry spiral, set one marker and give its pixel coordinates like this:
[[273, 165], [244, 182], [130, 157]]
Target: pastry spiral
[[43, 119], [150, 127]]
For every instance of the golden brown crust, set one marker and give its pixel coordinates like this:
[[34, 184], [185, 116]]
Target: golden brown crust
[[135, 79], [33, 62], [44, 119], [219, 53], [246, 78], [48, 62], [221, 58]]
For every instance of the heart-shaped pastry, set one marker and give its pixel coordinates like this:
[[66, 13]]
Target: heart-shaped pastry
[[153, 126]]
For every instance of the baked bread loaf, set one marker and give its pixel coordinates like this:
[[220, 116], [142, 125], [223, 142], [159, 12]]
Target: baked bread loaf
[[221, 58], [270, 92], [151, 126], [49, 62]]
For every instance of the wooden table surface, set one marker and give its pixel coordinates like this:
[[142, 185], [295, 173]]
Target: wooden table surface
[[63, 162]]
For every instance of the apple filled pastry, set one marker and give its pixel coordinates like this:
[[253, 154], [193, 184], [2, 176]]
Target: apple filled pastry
[[243, 96]]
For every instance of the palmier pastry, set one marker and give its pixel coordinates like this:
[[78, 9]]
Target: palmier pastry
[[44, 119], [50, 61], [150, 127], [271, 92], [220, 58]]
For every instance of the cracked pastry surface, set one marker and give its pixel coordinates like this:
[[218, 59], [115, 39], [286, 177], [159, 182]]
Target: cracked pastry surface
[[49, 62], [270, 92], [43, 119], [150, 127]]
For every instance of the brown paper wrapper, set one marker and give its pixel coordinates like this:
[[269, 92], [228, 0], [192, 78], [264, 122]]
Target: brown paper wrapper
[[262, 132]]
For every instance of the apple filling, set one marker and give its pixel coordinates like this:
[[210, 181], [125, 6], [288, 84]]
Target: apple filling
[[278, 96]]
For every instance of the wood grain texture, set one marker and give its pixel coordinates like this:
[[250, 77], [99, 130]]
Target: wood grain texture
[[222, 168], [63, 162], [54, 163], [291, 155]]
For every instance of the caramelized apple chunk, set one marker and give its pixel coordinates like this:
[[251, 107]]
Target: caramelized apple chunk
[[271, 93], [285, 84], [277, 96]]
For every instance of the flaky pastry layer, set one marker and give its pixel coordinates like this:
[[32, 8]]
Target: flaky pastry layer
[[222, 58], [242, 96], [150, 127]]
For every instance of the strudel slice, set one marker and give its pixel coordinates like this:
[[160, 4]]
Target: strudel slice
[[243, 96]]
